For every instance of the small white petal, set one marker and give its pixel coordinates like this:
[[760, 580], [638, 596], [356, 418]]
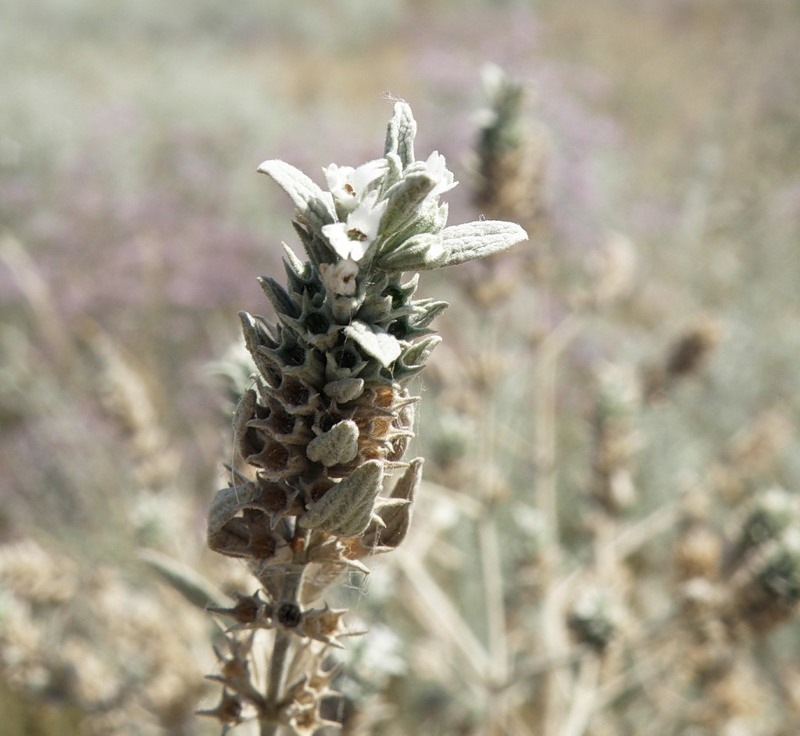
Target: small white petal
[[338, 238], [351, 239], [366, 218], [337, 178], [436, 168], [365, 174], [348, 184]]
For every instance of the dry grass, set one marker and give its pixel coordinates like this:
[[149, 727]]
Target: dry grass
[[559, 499]]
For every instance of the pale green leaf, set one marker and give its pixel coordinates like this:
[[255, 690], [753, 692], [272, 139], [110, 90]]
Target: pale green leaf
[[315, 204], [462, 243], [400, 134], [374, 341]]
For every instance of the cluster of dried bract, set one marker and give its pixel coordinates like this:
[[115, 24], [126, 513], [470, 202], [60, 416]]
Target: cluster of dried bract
[[319, 481]]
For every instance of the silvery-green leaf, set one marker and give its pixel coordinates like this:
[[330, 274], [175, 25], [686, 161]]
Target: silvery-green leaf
[[425, 311], [297, 272], [226, 504], [344, 389], [255, 333], [315, 204], [415, 357], [395, 512], [417, 253], [405, 198], [261, 346], [345, 510], [430, 218], [374, 341], [400, 134], [317, 250], [338, 445], [401, 293], [184, 579], [281, 300], [375, 310], [461, 243], [394, 172], [439, 217]]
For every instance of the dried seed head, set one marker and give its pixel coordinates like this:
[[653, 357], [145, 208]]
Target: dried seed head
[[616, 438], [248, 611], [698, 552], [591, 619], [325, 625], [229, 710], [513, 153], [769, 589], [235, 672], [685, 357], [240, 523], [764, 519], [749, 460], [691, 350]]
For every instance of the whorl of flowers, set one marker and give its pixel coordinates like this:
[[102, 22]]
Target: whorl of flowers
[[329, 418]]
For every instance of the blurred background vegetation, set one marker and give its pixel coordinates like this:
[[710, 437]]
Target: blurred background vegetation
[[133, 225]]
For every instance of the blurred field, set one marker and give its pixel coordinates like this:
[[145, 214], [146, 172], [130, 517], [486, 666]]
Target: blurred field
[[133, 225]]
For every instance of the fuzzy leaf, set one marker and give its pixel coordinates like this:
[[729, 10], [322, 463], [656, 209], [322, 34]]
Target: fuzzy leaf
[[345, 510], [400, 134], [338, 445], [255, 332], [225, 506], [395, 512], [429, 219], [425, 311], [298, 273], [184, 579], [461, 243], [345, 389], [281, 300], [315, 204], [418, 253], [405, 198], [260, 344], [415, 357], [375, 342], [394, 172]]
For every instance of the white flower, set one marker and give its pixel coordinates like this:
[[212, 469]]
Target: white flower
[[351, 239], [436, 169], [347, 185]]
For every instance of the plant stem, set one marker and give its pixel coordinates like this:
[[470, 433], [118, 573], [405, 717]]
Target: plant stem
[[279, 659], [277, 676]]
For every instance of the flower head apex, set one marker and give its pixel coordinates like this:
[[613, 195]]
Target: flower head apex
[[436, 168], [348, 185], [352, 238]]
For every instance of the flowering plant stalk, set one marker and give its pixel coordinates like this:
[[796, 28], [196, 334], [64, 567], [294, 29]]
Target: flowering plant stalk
[[319, 481]]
